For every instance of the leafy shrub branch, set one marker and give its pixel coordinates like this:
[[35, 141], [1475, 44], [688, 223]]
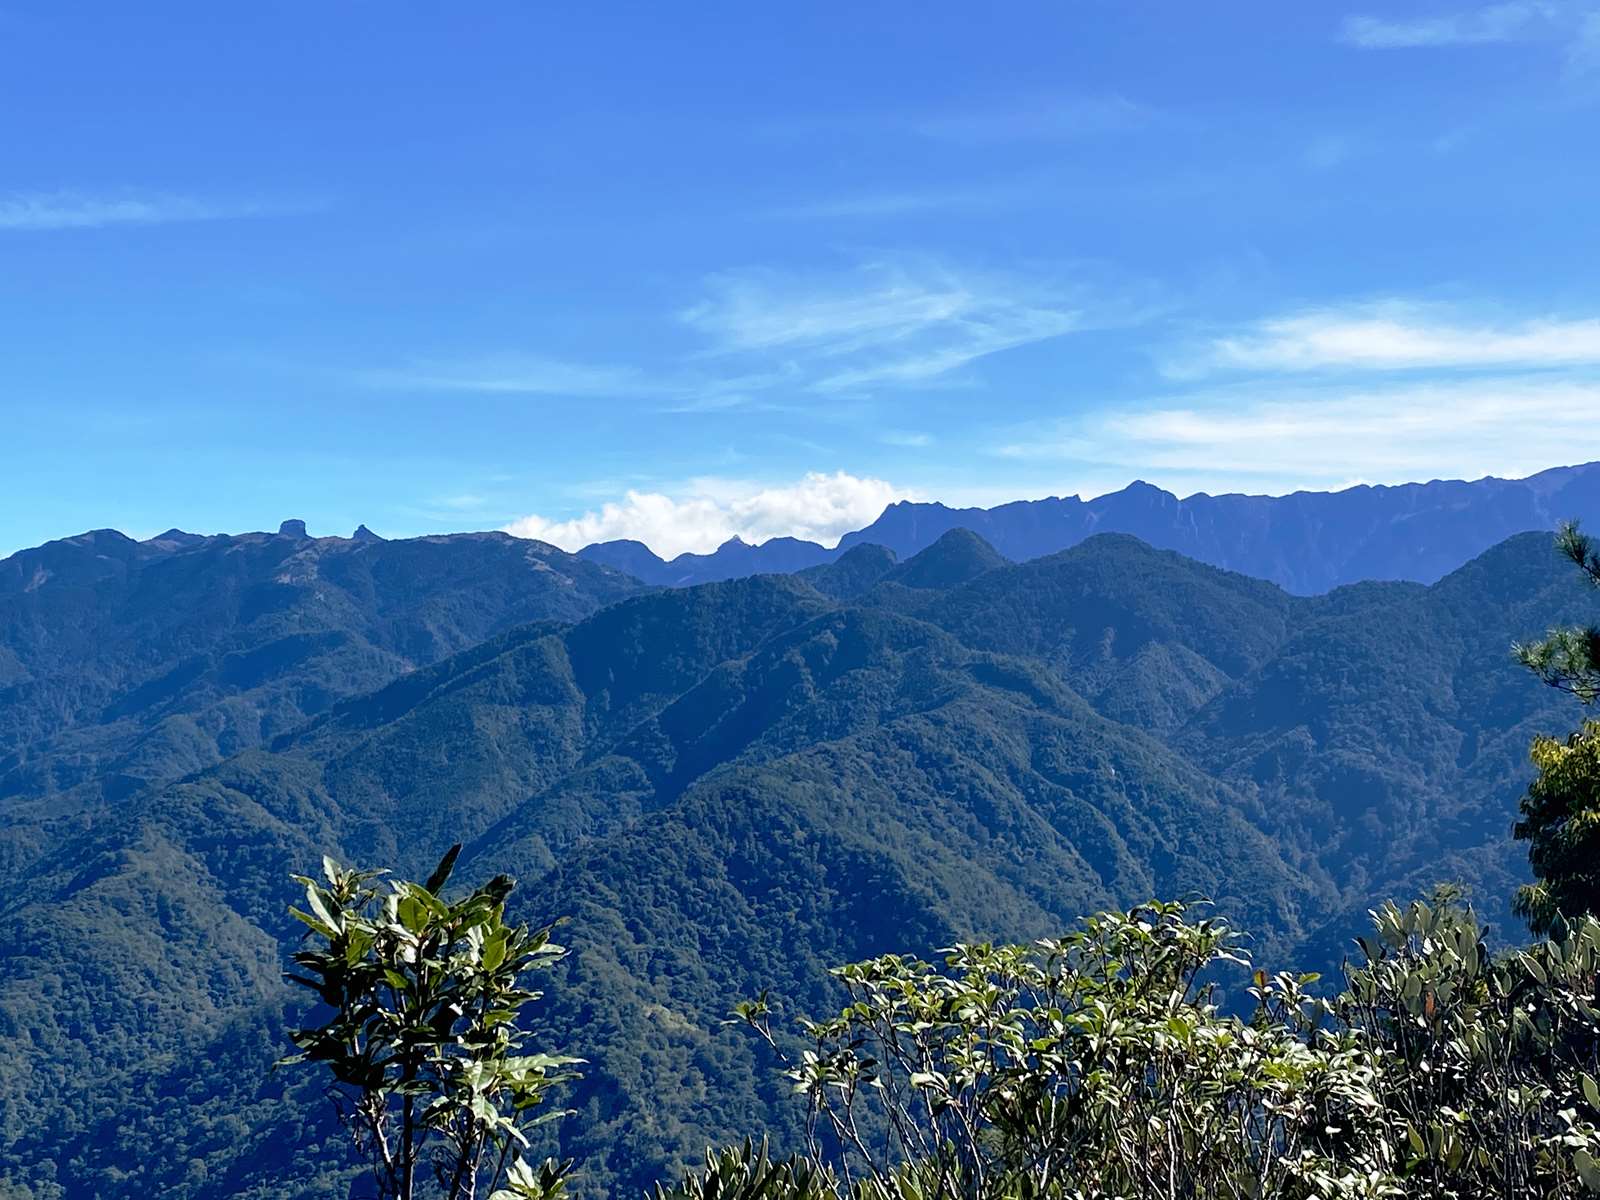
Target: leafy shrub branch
[[422, 997]]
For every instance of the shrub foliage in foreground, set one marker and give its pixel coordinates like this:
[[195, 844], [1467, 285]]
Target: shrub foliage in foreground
[[422, 997], [1104, 1064], [1098, 1064], [1101, 1065]]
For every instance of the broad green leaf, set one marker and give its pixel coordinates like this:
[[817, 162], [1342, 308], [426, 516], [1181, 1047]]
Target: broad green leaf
[[314, 898], [441, 873], [1583, 1162], [319, 926]]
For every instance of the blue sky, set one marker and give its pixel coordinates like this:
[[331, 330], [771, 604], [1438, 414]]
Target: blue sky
[[683, 271]]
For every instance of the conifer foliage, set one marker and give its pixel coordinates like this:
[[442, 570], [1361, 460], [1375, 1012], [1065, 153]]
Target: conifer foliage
[[1569, 658], [1561, 812]]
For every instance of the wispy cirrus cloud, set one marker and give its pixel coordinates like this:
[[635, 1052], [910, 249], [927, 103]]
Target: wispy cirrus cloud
[[1048, 116], [1509, 426], [463, 502], [907, 439], [1039, 118], [1574, 24], [1398, 336], [514, 374], [701, 514], [765, 310], [1478, 26], [1382, 392], [770, 339], [883, 324], [671, 388], [902, 203], [976, 339], [39, 211]]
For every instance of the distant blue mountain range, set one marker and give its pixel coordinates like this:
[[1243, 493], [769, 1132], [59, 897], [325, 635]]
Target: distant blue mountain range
[[1307, 543]]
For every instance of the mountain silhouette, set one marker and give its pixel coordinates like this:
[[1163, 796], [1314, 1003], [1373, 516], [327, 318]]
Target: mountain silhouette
[[1307, 542]]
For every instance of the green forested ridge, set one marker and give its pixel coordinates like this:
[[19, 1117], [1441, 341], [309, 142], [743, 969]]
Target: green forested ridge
[[740, 785], [243, 635], [125, 663]]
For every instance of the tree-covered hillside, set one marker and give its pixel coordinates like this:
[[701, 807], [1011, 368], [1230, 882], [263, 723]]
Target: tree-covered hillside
[[738, 785], [124, 663]]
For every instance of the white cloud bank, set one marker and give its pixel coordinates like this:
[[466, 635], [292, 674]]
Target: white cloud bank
[[1511, 427], [707, 512], [1400, 337]]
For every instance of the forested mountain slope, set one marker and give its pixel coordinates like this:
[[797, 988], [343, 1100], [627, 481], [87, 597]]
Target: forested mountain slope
[[127, 663], [736, 785]]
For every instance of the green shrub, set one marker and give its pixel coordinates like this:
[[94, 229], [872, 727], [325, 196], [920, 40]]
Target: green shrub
[[1101, 1065], [422, 1038]]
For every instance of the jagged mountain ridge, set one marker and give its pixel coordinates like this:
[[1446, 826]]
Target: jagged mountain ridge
[[1307, 542], [124, 662]]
